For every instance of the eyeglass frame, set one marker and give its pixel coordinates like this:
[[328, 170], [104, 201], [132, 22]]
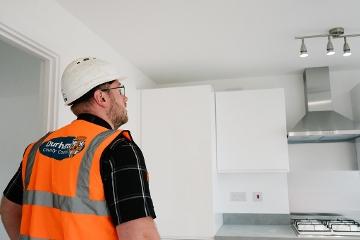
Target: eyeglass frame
[[121, 89]]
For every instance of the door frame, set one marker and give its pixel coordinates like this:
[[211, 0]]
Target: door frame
[[49, 73]]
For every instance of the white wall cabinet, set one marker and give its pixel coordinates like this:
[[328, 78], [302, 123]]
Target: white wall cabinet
[[178, 141], [251, 131]]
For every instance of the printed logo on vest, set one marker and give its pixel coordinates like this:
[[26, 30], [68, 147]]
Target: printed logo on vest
[[62, 147]]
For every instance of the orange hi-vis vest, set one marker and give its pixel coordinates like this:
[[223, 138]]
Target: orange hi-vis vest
[[63, 191]]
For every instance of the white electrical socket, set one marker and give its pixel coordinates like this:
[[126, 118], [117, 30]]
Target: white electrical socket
[[238, 196], [257, 196]]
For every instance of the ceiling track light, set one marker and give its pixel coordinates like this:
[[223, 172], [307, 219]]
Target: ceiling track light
[[334, 33]]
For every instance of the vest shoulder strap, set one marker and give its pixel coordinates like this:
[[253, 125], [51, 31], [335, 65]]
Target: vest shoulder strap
[[126, 134]]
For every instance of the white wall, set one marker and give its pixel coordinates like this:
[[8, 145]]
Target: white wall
[[273, 186], [341, 84], [19, 103], [332, 192], [323, 157], [47, 23], [332, 156], [322, 178]]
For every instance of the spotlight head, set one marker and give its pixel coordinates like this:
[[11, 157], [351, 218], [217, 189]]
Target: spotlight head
[[303, 50], [346, 48], [330, 47]]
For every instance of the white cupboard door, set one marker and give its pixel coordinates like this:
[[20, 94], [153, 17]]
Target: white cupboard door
[[178, 141], [251, 131]]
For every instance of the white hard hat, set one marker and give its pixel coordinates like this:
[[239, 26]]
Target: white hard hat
[[83, 74]]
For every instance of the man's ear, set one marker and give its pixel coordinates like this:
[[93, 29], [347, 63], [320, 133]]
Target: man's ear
[[100, 97]]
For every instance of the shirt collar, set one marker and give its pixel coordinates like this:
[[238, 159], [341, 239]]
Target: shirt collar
[[94, 119]]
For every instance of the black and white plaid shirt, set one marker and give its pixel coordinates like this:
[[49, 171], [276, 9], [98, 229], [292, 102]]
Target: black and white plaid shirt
[[124, 176]]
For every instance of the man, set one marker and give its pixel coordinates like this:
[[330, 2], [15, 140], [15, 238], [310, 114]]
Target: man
[[86, 180]]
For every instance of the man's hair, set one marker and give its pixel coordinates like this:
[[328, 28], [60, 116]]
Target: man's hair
[[84, 99]]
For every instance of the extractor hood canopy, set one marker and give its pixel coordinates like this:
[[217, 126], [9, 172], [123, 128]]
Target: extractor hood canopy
[[321, 123]]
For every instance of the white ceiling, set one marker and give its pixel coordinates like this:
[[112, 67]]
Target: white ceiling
[[194, 40]]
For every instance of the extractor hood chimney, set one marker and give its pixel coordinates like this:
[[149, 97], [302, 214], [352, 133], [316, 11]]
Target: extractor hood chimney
[[321, 123]]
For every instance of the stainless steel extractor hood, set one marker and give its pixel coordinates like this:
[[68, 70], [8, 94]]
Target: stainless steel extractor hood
[[321, 123]]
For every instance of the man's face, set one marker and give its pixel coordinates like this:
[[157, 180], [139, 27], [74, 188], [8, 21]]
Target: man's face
[[117, 112]]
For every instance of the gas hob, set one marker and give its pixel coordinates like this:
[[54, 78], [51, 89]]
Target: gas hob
[[326, 227]]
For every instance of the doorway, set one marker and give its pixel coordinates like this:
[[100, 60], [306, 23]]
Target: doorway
[[20, 107], [28, 99]]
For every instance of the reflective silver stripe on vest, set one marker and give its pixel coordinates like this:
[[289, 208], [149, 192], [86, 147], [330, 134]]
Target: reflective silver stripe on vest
[[81, 202], [31, 159], [86, 162], [64, 203], [23, 237]]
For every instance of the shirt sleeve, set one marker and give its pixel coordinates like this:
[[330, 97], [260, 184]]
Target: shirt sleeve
[[14, 189], [125, 181]]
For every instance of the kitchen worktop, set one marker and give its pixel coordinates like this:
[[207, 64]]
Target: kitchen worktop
[[268, 232]]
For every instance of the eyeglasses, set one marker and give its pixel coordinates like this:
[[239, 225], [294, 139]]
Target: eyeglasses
[[121, 89]]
